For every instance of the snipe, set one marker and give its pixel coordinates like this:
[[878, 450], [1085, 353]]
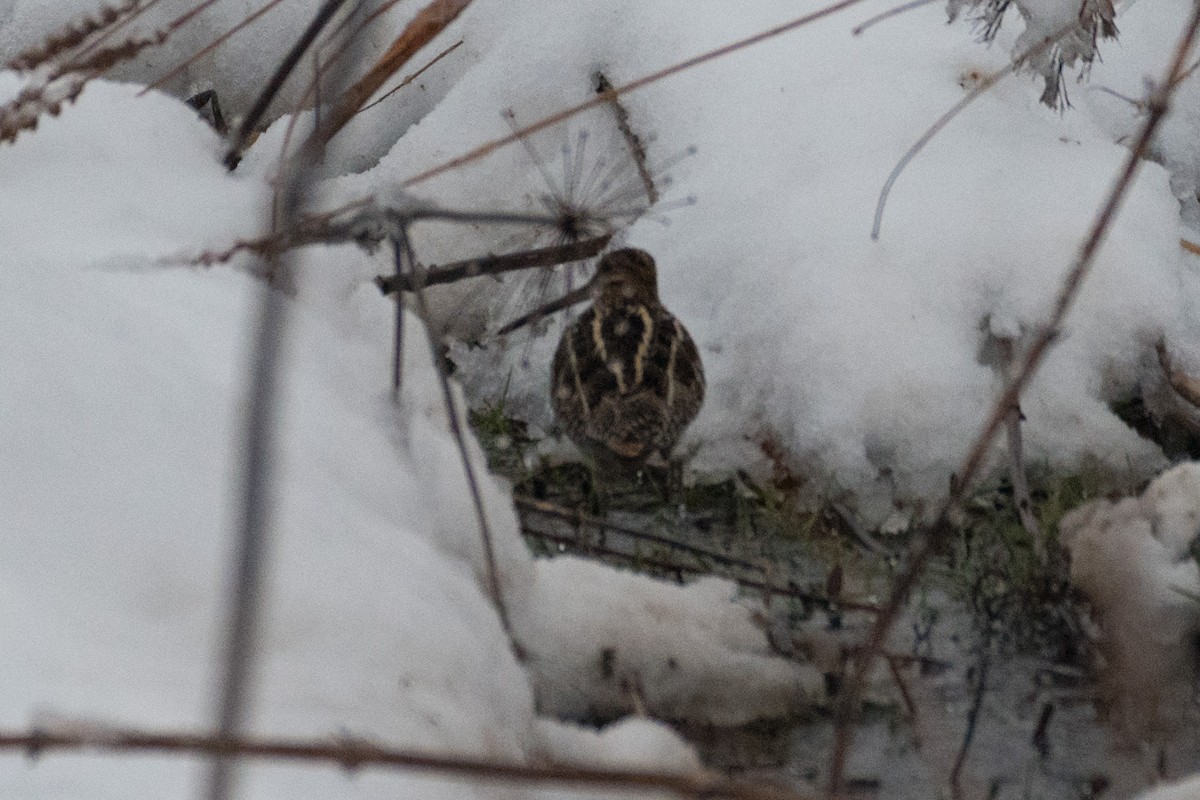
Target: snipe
[[626, 378]]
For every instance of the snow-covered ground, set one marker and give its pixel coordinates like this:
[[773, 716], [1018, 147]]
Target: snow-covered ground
[[866, 362], [122, 402], [122, 377]]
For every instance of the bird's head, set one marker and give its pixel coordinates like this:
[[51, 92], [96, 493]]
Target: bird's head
[[626, 275]]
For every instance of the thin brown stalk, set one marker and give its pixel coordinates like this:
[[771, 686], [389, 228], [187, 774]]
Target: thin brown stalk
[[213, 45], [353, 755], [638, 150], [546, 122], [404, 257], [323, 16], [579, 519], [428, 23], [898, 678], [891, 12], [495, 265], [1184, 384], [410, 78], [982, 88], [311, 94], [571, 298], [925, 545], [73, 35], [1022, 497], [117, 27], [251, 554]]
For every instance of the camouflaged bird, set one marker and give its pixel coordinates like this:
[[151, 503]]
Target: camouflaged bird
[[626, 378]]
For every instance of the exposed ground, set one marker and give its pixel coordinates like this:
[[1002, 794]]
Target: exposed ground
[[993, 661]]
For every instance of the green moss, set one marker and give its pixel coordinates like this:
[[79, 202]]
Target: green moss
[[995, 567]]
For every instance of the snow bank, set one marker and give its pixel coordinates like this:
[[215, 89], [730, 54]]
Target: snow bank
[[1134, 561], [121, 413], [864, 361], [248, 57], [590, 663], [1186, 789]]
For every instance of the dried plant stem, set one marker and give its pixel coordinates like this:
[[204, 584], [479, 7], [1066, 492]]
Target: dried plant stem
[[924, 545], [546, 122], [605, 88], [410, 78], [404, 257], [495, 265], [1022, 498], [428, 23], [960, 761], [944, 120], [573, 297], [933, 130], [255, 115], [213, 45], [249, 563], [891, 12], [1184, 384], [357, 755], [364, 222]]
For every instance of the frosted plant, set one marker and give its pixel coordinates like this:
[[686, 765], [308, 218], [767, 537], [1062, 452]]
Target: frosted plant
[[1058, 34]]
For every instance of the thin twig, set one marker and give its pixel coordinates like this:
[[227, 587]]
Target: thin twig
[[119, 25], [944, 120], [546, 122], [404, 257], [208, 48], [924, 545], [495, 265], [254, 116], [409, 79], [364, 222], [632, 140], [905, 694], [1022, 497], [571, 298], [242, 621], [358, 755], [427, 24], [579, 519], [1184, 384], [891, 12], [972, 720]]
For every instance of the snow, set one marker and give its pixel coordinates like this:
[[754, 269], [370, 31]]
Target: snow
[[1180, 790], [860, 359], [121, 421], [865, 362], [1133, 561]]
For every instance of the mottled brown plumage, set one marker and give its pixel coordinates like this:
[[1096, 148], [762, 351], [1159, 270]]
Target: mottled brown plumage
[[626, 378]]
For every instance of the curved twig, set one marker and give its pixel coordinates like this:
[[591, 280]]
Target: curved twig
[[891, 12], [942, 121]]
